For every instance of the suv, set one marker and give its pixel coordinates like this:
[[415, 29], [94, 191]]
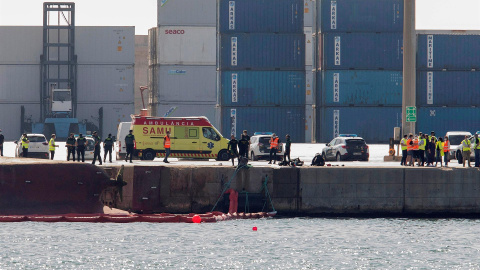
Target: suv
[[37, 148], [455, 138], [260, 146], [346, 147]]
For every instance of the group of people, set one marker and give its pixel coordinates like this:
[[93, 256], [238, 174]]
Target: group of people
[[239, 149], [79, 145], [428, 149]]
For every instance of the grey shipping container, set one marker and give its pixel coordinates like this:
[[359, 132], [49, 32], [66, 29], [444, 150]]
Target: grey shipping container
[[443, 119], [186, 84], [363, 51], [361, 88], [309, 123], [113, 114], [105, 45], [21, 44], [19, 83], [309, 85], [374, 124], [187, 12], [308, 45], [10, 118], [187, 109], [448, 88], [281, 120], [308, 13], [105, 83]]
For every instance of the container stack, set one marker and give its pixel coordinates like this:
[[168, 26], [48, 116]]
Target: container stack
[[308, 30], [448, 77], [261, 67], [182, 59], [359, 68]]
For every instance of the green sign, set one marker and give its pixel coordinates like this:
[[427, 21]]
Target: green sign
[[412, 114]]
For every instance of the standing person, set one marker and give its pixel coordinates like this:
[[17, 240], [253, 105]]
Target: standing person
[[431, 151], [244, 144], [439, 151], [273, 148], [416, 151], [96, 151], [2, 140], [410, 150], [476, 148], [446, 150], [233, 149], [80, 144], [422, 143], [167, 145], [107, 148], [70, 144], [432, 136], [25, 143], [466, 151], [403, 144], [130, 143], [51, 146], [288, 144]]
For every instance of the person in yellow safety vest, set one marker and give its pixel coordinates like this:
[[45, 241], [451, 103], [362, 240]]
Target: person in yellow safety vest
[[403, 144], [476, 148], [432, 136], [439, 151], [25, 143], [410, 150], [446, 150], [273, 148], [422, 142], [51, 146], [466, 151]]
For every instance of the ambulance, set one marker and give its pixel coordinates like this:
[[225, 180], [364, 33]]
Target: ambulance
[[191, 137]]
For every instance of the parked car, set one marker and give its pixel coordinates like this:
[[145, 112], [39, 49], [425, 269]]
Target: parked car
[[260, 146], [37, 148], [456, 138], [346, 147], [459, 150]]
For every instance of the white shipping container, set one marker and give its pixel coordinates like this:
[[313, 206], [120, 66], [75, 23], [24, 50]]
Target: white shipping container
[[186, 83], [10, 118], [21, 44], [308, 85], [188, 109], [105, 44], [309, 10], [308, 46], [308, 123], [113, 114], [105, 83], [187, 12], [20, 83], [186, 45]]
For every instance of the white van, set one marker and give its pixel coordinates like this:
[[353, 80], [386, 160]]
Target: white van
[[120, 147], [456, 138]]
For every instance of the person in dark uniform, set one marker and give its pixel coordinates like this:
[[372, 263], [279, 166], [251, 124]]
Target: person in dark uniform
[[2, 140], [96, 152], [81, 143], [25, 143], [288, 143], [233, 149], [107, 148], [244, 144], [70, 144], [129, 143]]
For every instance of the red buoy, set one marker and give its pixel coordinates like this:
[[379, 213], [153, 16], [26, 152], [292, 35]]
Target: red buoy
[[196, 219], [254, 228]]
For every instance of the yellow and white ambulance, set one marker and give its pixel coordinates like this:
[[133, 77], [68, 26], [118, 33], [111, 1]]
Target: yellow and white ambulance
[[191, 137]]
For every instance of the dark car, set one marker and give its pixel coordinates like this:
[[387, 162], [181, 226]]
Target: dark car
[[346, 147]]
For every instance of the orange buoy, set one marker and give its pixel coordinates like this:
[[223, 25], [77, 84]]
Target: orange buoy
[[196, 219], [254, 229]]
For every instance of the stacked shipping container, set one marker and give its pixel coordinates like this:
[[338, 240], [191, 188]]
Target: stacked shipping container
[[182, 59], [105, 77], [262, 66], [359, 56], [448, 77]]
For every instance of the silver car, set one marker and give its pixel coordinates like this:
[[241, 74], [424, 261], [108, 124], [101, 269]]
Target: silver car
[[37, 148]]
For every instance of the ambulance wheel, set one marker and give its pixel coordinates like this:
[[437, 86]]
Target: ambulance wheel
[[149, 155], [223, 155]]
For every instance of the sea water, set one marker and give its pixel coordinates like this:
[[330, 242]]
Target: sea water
[[279, 243]]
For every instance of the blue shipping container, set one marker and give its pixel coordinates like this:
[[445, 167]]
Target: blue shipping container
[[444, 119], [260, 16], [263, 88], [361, 88], [360, 16], [451, 52], [281, 120], [262, 51], [363, 51], [448, 88], [374, 124]]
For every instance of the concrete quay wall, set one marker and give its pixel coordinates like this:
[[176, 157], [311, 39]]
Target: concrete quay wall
[[307, 190]]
